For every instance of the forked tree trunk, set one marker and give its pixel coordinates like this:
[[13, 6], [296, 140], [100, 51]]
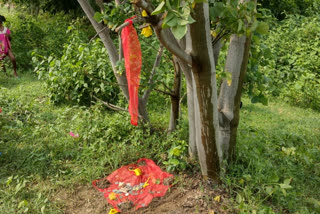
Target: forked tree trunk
[[230, 95], [205, 96]]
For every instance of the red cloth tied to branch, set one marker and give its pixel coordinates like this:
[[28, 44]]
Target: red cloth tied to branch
[[136, 184], [132, 59]]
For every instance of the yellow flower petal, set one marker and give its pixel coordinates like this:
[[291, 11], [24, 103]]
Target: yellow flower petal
[[144, 13], [213, 33], [146, 183], [229, 82], [137, 171], [113, 211], [147, 31], [217, 198], [112, 196]]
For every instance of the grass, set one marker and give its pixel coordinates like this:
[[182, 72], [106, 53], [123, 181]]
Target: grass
[[277, 169]]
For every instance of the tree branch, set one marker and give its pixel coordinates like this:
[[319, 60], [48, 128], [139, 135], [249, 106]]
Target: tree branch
[[95, 36], [165, 36], [109, 105], [136, 20], [165, 92], [155, 66]]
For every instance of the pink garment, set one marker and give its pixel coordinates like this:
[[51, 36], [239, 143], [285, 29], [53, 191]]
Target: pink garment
[[4, 42]]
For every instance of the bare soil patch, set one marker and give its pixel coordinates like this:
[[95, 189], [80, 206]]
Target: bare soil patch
[[188, 195]]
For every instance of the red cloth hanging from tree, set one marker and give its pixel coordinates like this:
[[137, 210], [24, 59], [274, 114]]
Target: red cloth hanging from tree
[[133, 62]]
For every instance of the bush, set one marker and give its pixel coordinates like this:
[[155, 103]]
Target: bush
[[82, 71], [281, 8], [43, 34], [295, 66]]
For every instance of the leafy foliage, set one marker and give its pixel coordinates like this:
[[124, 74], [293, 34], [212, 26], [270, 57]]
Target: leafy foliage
[[280, 8], [113, 16], [230, 17], [44, 35], [294, 67], [84, 70], [53, 6]]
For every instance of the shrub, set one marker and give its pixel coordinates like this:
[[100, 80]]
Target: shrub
[[82, 71], [44, 34], [295, 66]]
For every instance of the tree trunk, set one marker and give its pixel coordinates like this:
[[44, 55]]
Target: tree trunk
[[191, 108], [230, 95], [175, 97], [205, 97], [216, 52]]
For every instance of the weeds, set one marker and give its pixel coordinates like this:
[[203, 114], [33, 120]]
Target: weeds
[[277, 169]]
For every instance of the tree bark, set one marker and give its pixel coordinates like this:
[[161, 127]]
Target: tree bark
[[175, 97], [205, 96], [230, 95], [191, 108]]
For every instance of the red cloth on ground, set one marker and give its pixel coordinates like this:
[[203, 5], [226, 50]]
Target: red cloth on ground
[[150, 173], [133, 63]]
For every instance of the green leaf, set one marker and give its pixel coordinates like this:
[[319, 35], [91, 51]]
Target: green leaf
[[216, 10], [179, 31], [23, 203], [287, 181], [285, 186], [176, 151], [269, 190], [240, 25], [262, 28], [43, 209], [170, 20], [274, 178], [97, 16], [174, 162], [239, 198], [191, 20], [9, 180], [159, 9]]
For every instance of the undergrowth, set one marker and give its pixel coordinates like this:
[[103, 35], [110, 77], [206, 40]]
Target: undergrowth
[[277, 169]]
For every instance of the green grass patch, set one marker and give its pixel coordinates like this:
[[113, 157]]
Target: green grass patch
[[277, 169]]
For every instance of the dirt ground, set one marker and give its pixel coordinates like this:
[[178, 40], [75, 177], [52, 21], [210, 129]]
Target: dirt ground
[[188, 195]]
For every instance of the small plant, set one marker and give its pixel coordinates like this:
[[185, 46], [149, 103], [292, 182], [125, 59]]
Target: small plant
[[177, 156]]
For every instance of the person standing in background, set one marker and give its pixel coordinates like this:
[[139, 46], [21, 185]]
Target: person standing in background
[[5, 46]]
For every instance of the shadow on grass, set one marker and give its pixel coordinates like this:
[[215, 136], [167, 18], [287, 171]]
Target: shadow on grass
[[9, 81]]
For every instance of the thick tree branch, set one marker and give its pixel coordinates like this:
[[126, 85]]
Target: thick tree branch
[[165, 36]]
